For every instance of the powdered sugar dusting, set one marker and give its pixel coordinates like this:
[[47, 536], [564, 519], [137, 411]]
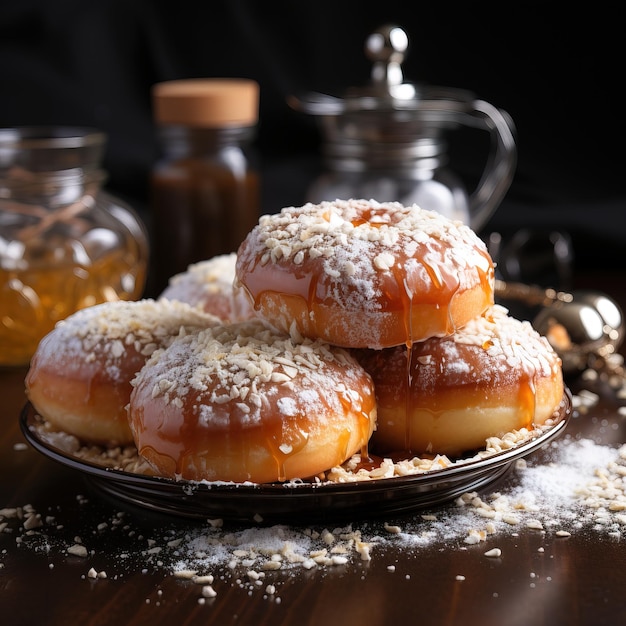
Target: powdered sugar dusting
[[511, 341], [494, 347], [250, 363], [106, 332], [357, 239], [209, 275], [209, 285]]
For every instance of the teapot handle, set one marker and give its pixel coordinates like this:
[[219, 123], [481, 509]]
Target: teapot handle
[[498, 173]]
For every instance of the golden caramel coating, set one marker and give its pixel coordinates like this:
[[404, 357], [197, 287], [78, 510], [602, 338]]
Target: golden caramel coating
[[493, 376], [241, 402], [364, 274], [80, 376]]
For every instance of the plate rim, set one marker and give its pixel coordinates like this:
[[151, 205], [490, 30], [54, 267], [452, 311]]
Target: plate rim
[[472, 466]]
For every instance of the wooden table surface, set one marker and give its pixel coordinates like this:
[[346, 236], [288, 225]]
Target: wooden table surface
[[540, 577]]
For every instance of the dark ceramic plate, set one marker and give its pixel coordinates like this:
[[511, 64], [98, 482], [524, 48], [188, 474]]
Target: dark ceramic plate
[[306, 502]]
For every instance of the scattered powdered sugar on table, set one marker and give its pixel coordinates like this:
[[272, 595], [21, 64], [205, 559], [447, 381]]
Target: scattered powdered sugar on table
[[584, 485]]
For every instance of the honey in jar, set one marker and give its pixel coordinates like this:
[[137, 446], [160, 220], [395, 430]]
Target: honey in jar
[[205, 187], [65, 244]]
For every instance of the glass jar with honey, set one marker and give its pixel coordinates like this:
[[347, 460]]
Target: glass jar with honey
[[205, 185], [65, 243]]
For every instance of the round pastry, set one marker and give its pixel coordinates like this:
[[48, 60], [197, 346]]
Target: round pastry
[[241, 402], [493, 376], [80, 376], [362, 274], [209, 285]]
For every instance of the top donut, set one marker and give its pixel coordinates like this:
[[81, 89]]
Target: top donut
[[364, 274]]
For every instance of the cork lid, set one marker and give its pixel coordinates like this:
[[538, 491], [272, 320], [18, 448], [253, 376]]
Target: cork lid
[[207, 102]]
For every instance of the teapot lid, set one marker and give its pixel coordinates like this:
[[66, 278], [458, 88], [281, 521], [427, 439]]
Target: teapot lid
[[388, 91]]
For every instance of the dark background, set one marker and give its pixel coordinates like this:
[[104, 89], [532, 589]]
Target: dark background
[[555, 69]]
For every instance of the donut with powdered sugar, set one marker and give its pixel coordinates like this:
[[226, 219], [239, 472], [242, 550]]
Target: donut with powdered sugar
[[209, 285], [242, 402], [364, 274], [79, 379], [493, 376]]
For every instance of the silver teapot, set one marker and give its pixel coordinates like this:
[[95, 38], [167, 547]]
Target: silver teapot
[[386, 141]]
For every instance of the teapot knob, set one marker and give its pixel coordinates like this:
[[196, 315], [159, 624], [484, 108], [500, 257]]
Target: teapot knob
[[386, 48]]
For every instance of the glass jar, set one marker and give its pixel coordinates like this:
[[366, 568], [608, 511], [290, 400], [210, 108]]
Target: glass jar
[[205, 187], [65, 244]]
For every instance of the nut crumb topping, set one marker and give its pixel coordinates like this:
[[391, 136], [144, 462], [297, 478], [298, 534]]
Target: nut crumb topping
[[107, 331], [344, 232], [242, 362]]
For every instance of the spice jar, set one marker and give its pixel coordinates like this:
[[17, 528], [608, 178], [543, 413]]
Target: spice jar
[[65, 244], [205, 187]]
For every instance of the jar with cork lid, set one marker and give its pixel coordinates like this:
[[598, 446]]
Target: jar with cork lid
[[205, 185]]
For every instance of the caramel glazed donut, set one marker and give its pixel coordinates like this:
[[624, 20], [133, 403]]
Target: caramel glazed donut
[[241, 402], [493, 376], [209, 285], [80, 376], [361, 274]]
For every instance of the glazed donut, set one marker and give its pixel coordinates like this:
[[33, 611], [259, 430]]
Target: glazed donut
[[80, 376], [361, 274], [209, 285], [241, 402], [493, 376]]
